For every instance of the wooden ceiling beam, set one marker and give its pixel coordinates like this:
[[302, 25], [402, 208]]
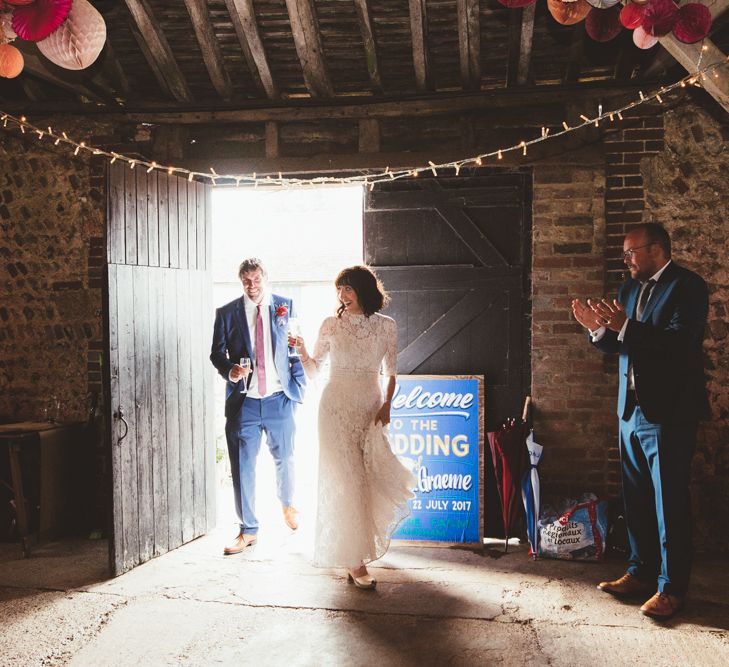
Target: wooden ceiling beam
[[525, 42], [243, 16], [445, 104], [35, 66], [307, 40], [692, 57], [364, 16], [112, 69], [209, 47], [157, 51], [577, 46], [419, 36], [469, 43]]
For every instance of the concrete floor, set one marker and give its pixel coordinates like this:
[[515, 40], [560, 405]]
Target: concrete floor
[[269, 606]]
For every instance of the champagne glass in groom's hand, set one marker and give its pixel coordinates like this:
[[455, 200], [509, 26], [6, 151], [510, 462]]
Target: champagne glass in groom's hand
[[245, 364]]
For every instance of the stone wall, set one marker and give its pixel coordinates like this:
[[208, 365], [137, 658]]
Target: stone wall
[[52, 219]]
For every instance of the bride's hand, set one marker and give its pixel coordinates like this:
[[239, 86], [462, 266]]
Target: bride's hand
[[298, 343], [383, 414]]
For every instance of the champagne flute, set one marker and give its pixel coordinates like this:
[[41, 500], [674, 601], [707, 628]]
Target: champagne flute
[[245, 363], [294, 329]]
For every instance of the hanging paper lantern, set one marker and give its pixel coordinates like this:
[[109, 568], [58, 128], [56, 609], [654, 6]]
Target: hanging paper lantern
[[568, 13], [642, 39], [603, 4], [603, 24], [694, 23], [631, 16], [659, 17], [513, 4], [37, 21], [77, 43], [11, 61]]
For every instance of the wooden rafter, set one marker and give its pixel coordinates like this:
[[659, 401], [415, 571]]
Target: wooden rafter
[[513, 47], [243, 16], [469, 43], [364, 16], [153, 44], [113, 71], [419, 35], [525, 44], [577, 46], [307, 40], [209, 47], [35, 66]]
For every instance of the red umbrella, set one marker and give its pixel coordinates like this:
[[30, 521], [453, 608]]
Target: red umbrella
[[511, 460]]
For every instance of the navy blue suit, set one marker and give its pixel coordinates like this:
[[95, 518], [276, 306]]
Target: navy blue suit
[[247, 418], [658, 421]]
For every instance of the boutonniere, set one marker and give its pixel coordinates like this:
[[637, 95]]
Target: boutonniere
[[282, 310]]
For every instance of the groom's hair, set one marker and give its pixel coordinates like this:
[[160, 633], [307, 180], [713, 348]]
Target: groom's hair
[[250, 264], [370, 292]]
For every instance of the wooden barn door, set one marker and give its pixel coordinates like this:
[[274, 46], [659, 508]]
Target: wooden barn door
[[454, 254], [160, 379]]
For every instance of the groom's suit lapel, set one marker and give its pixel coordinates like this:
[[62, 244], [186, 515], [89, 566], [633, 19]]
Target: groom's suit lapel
[[240, 317], [274, 326]]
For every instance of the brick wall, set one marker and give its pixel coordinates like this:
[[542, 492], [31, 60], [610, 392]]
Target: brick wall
[[572, 389]]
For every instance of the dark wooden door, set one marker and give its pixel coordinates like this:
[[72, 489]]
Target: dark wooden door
[[454, 254], [159, 318]]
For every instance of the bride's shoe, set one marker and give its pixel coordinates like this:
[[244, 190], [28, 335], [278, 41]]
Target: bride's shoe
[[366, 581]]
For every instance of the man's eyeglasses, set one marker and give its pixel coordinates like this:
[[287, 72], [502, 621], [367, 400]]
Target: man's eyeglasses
[[628, 254]]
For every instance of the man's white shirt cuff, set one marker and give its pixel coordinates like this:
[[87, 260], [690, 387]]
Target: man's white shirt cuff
[[597, 334]]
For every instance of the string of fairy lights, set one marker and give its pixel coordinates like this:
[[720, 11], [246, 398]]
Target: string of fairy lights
[[701, 74]]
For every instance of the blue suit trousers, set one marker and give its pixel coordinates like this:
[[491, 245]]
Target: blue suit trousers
[[656, 470], [275, 415]]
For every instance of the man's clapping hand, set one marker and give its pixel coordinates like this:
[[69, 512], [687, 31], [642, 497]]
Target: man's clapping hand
[[585, 315]]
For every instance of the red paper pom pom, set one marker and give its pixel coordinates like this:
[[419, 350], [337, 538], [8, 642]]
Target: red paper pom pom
[[37, 21], [631, 16], [513, 4], [603, 24], [694, 23], [659, 17]]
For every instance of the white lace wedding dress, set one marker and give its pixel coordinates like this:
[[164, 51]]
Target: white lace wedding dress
[[363, 488]]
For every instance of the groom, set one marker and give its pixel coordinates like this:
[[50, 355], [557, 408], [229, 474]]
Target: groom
[[260, 398]]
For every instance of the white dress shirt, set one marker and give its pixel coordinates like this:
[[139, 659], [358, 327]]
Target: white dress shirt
[[273, 382]]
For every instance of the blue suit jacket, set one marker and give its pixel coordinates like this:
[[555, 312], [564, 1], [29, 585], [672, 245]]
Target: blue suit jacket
[[232, 340], [665, 348]]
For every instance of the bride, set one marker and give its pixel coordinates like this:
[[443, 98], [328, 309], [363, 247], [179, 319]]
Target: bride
[[363, 488]]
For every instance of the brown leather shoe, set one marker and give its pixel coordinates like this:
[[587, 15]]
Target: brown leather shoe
[[290, 517], [627, 586], [662, 606], [241, 542]]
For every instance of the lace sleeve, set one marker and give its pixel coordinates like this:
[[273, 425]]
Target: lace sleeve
[[313, 364], [389, 363]]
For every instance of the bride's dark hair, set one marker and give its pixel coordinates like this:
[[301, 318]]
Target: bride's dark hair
[[370, 292]]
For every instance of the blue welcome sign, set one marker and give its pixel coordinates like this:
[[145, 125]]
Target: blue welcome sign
[[436, 430]]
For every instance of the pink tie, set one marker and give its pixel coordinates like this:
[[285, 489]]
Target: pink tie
[[260, 353]]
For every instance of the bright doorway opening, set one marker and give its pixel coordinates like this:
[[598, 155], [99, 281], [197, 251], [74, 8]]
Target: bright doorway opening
[[304, 237]]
